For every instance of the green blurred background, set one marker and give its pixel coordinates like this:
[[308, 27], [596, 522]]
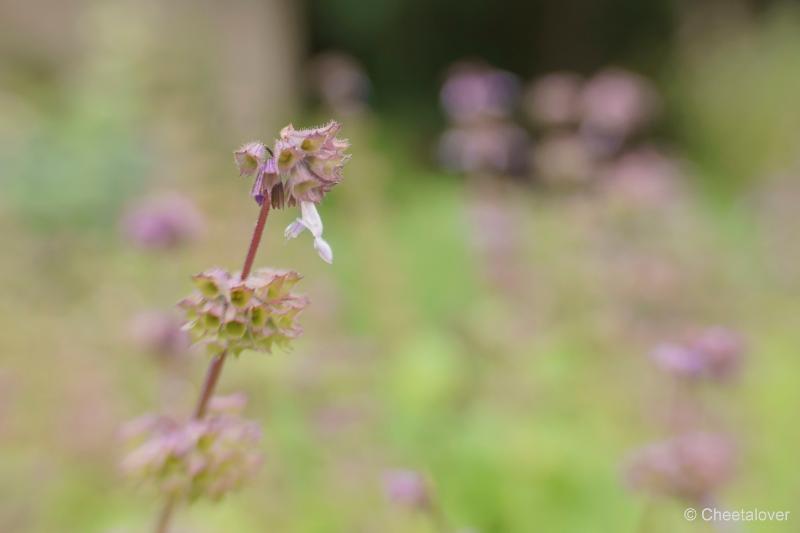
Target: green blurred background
[[490, 332]]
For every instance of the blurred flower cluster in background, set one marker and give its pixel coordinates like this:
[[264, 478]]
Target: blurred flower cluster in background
[[564, 295]]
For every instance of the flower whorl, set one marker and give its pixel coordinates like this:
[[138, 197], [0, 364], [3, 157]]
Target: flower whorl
[[258, 313], [200, 457], [304, 166]]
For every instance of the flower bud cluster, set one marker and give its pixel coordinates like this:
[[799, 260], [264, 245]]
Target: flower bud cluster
[[229, 314], [206, 457], [306, 164]]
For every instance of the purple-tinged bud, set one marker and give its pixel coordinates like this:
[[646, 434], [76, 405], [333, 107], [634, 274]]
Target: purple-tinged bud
[[407, 488], [250, 158], [691, 467], [163, 222]]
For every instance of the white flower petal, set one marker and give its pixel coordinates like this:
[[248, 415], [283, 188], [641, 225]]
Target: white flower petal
[[323, 249], [311, 218], [294, 229]]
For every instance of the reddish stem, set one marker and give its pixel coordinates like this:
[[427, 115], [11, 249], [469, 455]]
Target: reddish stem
[[215, 368], [256, 240], [212, 376]]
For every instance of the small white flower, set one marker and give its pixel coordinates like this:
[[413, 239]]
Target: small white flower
[[324, 250], [310, 220]]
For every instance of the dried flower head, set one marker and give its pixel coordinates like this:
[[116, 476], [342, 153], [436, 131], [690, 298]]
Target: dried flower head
[[162, 222], [310, 161], [305, 166], [198, 458], [691, 467], [259, 313]]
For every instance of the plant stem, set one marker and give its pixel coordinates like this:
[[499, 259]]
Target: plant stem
[[162, 526], [215, 367], [212, 376], [256, 240]]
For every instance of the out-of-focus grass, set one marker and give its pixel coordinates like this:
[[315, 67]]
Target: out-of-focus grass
[[736, 85]]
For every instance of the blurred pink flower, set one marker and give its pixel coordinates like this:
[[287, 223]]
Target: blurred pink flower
[[474, 92], [644, 177], [160, 333], [197, 458], [616, 103], [691, 467], [407, 488], [163, 222], [679, 360], [496, 148], [714, 354], [341, 82], [722, 350], [554, 100]]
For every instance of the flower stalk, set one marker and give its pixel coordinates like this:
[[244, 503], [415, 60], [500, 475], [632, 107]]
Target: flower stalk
[[215, 450], [215, 367]]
